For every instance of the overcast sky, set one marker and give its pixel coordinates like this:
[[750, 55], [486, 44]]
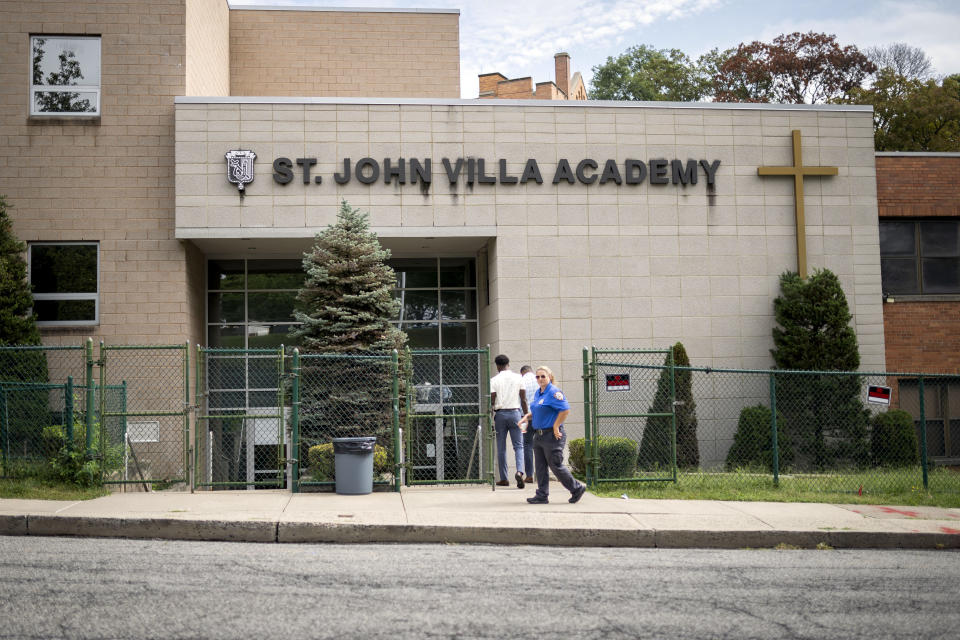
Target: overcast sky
[[519, 37]]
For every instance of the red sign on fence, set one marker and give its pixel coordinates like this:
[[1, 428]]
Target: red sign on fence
[[878, 395]]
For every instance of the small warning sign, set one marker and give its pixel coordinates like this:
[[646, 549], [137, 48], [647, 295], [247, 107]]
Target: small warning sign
[[618, 382], [878, 395]]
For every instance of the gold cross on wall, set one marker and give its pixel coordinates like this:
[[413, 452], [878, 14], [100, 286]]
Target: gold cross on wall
[[798, 171]]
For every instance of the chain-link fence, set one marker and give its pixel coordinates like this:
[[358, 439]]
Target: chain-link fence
[[243, 413], [345, 396], [448, 437], [144, 429], [825, 432]]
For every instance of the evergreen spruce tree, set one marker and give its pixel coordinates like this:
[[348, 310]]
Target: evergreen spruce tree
[[346, 306], [656, 442], [826, 420], [27, 408]]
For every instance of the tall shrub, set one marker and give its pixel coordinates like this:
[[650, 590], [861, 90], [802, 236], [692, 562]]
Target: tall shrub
[[17, 323], [753, 442], [828, 422], [346, 306], [656, 443]]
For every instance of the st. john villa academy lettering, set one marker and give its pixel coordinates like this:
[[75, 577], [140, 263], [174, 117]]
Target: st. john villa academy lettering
[[475, 171]]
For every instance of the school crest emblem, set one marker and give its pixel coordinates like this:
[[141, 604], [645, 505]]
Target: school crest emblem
[[240, 167]]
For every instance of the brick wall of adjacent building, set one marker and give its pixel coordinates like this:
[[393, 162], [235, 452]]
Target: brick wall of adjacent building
[[108, 179], [920, 335], [344, 54]]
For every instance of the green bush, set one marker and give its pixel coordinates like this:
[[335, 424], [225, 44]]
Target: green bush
[[618, 457], [69, 461], [323, 461], [752, 443], [893, 440]]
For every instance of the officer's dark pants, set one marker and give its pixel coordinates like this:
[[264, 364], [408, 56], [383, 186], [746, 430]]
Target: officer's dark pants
[[548, 452]]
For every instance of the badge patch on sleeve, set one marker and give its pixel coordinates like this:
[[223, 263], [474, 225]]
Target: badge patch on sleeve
[[558, 395]]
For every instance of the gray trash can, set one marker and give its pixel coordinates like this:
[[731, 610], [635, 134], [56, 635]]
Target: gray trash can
[[353, 464]]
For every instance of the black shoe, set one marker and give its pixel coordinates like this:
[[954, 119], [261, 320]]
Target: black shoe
[[537, 500], [519, 477], [503, 483], [578, 493]]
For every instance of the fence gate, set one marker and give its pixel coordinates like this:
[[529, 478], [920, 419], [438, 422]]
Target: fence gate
[[630, 426], [448, 437], [240, 439], [143, 400]]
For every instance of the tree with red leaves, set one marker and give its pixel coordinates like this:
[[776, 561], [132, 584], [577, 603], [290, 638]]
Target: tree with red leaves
[[795, 68]]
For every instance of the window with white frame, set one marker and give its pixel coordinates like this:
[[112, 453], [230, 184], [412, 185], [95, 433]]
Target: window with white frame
[[65, 75], [65, 277]]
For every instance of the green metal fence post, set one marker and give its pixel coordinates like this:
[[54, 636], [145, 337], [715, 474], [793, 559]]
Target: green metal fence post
[[68, 410], [923, 436], [773, 429], [295, 420], [487, 409], [587, 435], [91, 398], [101, 408], [592, 452], [4, 431], [186, 411], [197, 426], [395, 362], [673, 412]]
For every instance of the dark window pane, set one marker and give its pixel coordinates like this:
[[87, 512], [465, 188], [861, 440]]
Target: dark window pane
[[65, 310], [227, 400], [457, 272], [458, 305], [65, 61], [275, 274], [897, 238], [457, 335], [225, 274], [424, 335], [418, 305], [939, 238], [899, 275], [225, 307], [415, 273], [225, 372], [941, 275], [271, 307], [63, 268], [221, 337], [264, 399], [269, 337], [262, 372]]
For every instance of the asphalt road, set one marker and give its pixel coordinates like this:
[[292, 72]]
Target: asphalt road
[[99, 588]]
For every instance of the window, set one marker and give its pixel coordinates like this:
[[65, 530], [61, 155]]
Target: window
[[65, 75], [920, 256], [65, 281]]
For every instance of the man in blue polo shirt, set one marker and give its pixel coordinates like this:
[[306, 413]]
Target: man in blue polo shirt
[[548, 411]]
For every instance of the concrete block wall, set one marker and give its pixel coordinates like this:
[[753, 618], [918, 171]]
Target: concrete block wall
[[629, 266], [109, 179], [315, 52], [208, 48]]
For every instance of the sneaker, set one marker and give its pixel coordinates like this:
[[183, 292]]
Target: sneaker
[[519, 477], [528, 479], [503, 483], [578, 493], [537, 500]]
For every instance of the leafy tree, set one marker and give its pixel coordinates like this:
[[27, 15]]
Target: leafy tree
[[911, 114], [825, 414], [645, 73], [657, 442], [346, 306], [795, 68], [902, 60]]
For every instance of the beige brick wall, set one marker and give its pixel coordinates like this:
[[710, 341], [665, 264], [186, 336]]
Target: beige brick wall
[[331, 53], [109, 180], [208, 48]]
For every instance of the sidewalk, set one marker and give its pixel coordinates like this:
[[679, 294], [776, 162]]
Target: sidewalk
[[478, 515]]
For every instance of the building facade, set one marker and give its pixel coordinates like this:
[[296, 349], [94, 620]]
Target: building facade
[[534, 227], [564, 87]]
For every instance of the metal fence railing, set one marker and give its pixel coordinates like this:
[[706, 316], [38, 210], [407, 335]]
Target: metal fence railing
[[830, 432]]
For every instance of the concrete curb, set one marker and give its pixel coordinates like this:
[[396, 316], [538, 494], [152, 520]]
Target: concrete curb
[[313, 532]]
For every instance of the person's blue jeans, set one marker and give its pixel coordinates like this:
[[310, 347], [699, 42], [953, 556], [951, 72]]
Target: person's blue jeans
[[505, 421]]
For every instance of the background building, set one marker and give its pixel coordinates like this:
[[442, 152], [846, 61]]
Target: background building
[[565, 87]]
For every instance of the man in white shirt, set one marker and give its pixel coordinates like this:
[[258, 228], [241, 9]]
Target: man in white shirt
[[530, 386], [509, 401]]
